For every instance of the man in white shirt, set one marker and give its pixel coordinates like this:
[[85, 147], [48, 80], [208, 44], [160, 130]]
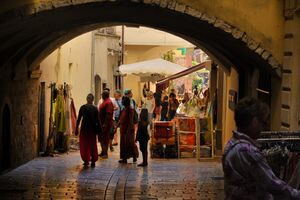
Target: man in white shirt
[[118, 107]]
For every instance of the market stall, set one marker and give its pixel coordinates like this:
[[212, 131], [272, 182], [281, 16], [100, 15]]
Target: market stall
[[143, 75], [193, 121], [164, 140], [187, 134]]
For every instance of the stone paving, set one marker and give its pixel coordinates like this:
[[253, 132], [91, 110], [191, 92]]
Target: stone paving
[[64, 177]]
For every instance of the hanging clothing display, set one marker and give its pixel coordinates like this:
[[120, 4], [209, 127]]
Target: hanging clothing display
[[295, 177], [281, 150], [73, 115], [67, 110], [63, 117], [59, 117]]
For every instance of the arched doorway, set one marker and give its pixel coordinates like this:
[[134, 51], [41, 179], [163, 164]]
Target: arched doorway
[[97, 89], [6, 135]]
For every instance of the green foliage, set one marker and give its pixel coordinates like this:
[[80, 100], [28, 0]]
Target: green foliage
[[197, 82], [169, 56]]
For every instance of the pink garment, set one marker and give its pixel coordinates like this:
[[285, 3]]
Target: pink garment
[[73, 115]]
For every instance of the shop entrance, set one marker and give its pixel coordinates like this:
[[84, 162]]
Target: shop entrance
[[6, 135]]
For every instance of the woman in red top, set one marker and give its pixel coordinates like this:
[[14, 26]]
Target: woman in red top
[[106, 110], [127, 142]]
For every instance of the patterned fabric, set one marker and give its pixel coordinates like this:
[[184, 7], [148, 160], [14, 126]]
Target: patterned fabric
[[248, 175]]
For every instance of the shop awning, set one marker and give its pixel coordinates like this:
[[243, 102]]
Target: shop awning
[[164, 83], [151, 68]]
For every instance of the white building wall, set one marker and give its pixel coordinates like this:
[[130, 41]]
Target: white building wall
[[106, 58], [149, 36], [71, 63], [101, 58]]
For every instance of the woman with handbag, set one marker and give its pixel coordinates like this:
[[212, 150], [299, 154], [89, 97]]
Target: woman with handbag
[[128, 148], [88, 113]]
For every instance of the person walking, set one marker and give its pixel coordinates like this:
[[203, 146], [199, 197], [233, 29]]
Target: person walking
[[247, 175], [88, 116], [142, 136], [164, 109], [118, 107], [150, 105], [127, 142], [106, 110]]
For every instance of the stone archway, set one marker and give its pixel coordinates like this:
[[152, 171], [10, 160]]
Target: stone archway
[[5, 161], [67, 19], [30, 32]]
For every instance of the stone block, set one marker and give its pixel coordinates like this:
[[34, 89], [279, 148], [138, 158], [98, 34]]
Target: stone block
[[245, 38], [272, 61], [286, 98], [288, 44], [43, 5], [223, 25], [289, 26], [172, 4], [163, 3], [288, 62], [265, 55], [278, 70], [209, 19], [286, 80], [252, 44], [285, 115], [259, 50], [237, 34], [193, 12], [61, 3], [180, 7]]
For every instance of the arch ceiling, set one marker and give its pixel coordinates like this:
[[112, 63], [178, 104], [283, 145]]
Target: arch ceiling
[[31, 32]]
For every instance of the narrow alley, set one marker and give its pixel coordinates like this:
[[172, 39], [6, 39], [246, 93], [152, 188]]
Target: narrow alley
[[64, 177]]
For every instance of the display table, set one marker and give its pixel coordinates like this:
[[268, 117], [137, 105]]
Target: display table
[[186, 133], [205, 139], [163, 140]]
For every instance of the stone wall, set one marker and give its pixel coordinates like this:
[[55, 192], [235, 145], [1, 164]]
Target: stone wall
[[290, 93], [22, 98]]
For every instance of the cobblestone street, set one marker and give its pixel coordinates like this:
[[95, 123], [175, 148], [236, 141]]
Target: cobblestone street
[[64, 177]]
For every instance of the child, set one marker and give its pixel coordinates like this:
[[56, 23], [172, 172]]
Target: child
[[142, 136]]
